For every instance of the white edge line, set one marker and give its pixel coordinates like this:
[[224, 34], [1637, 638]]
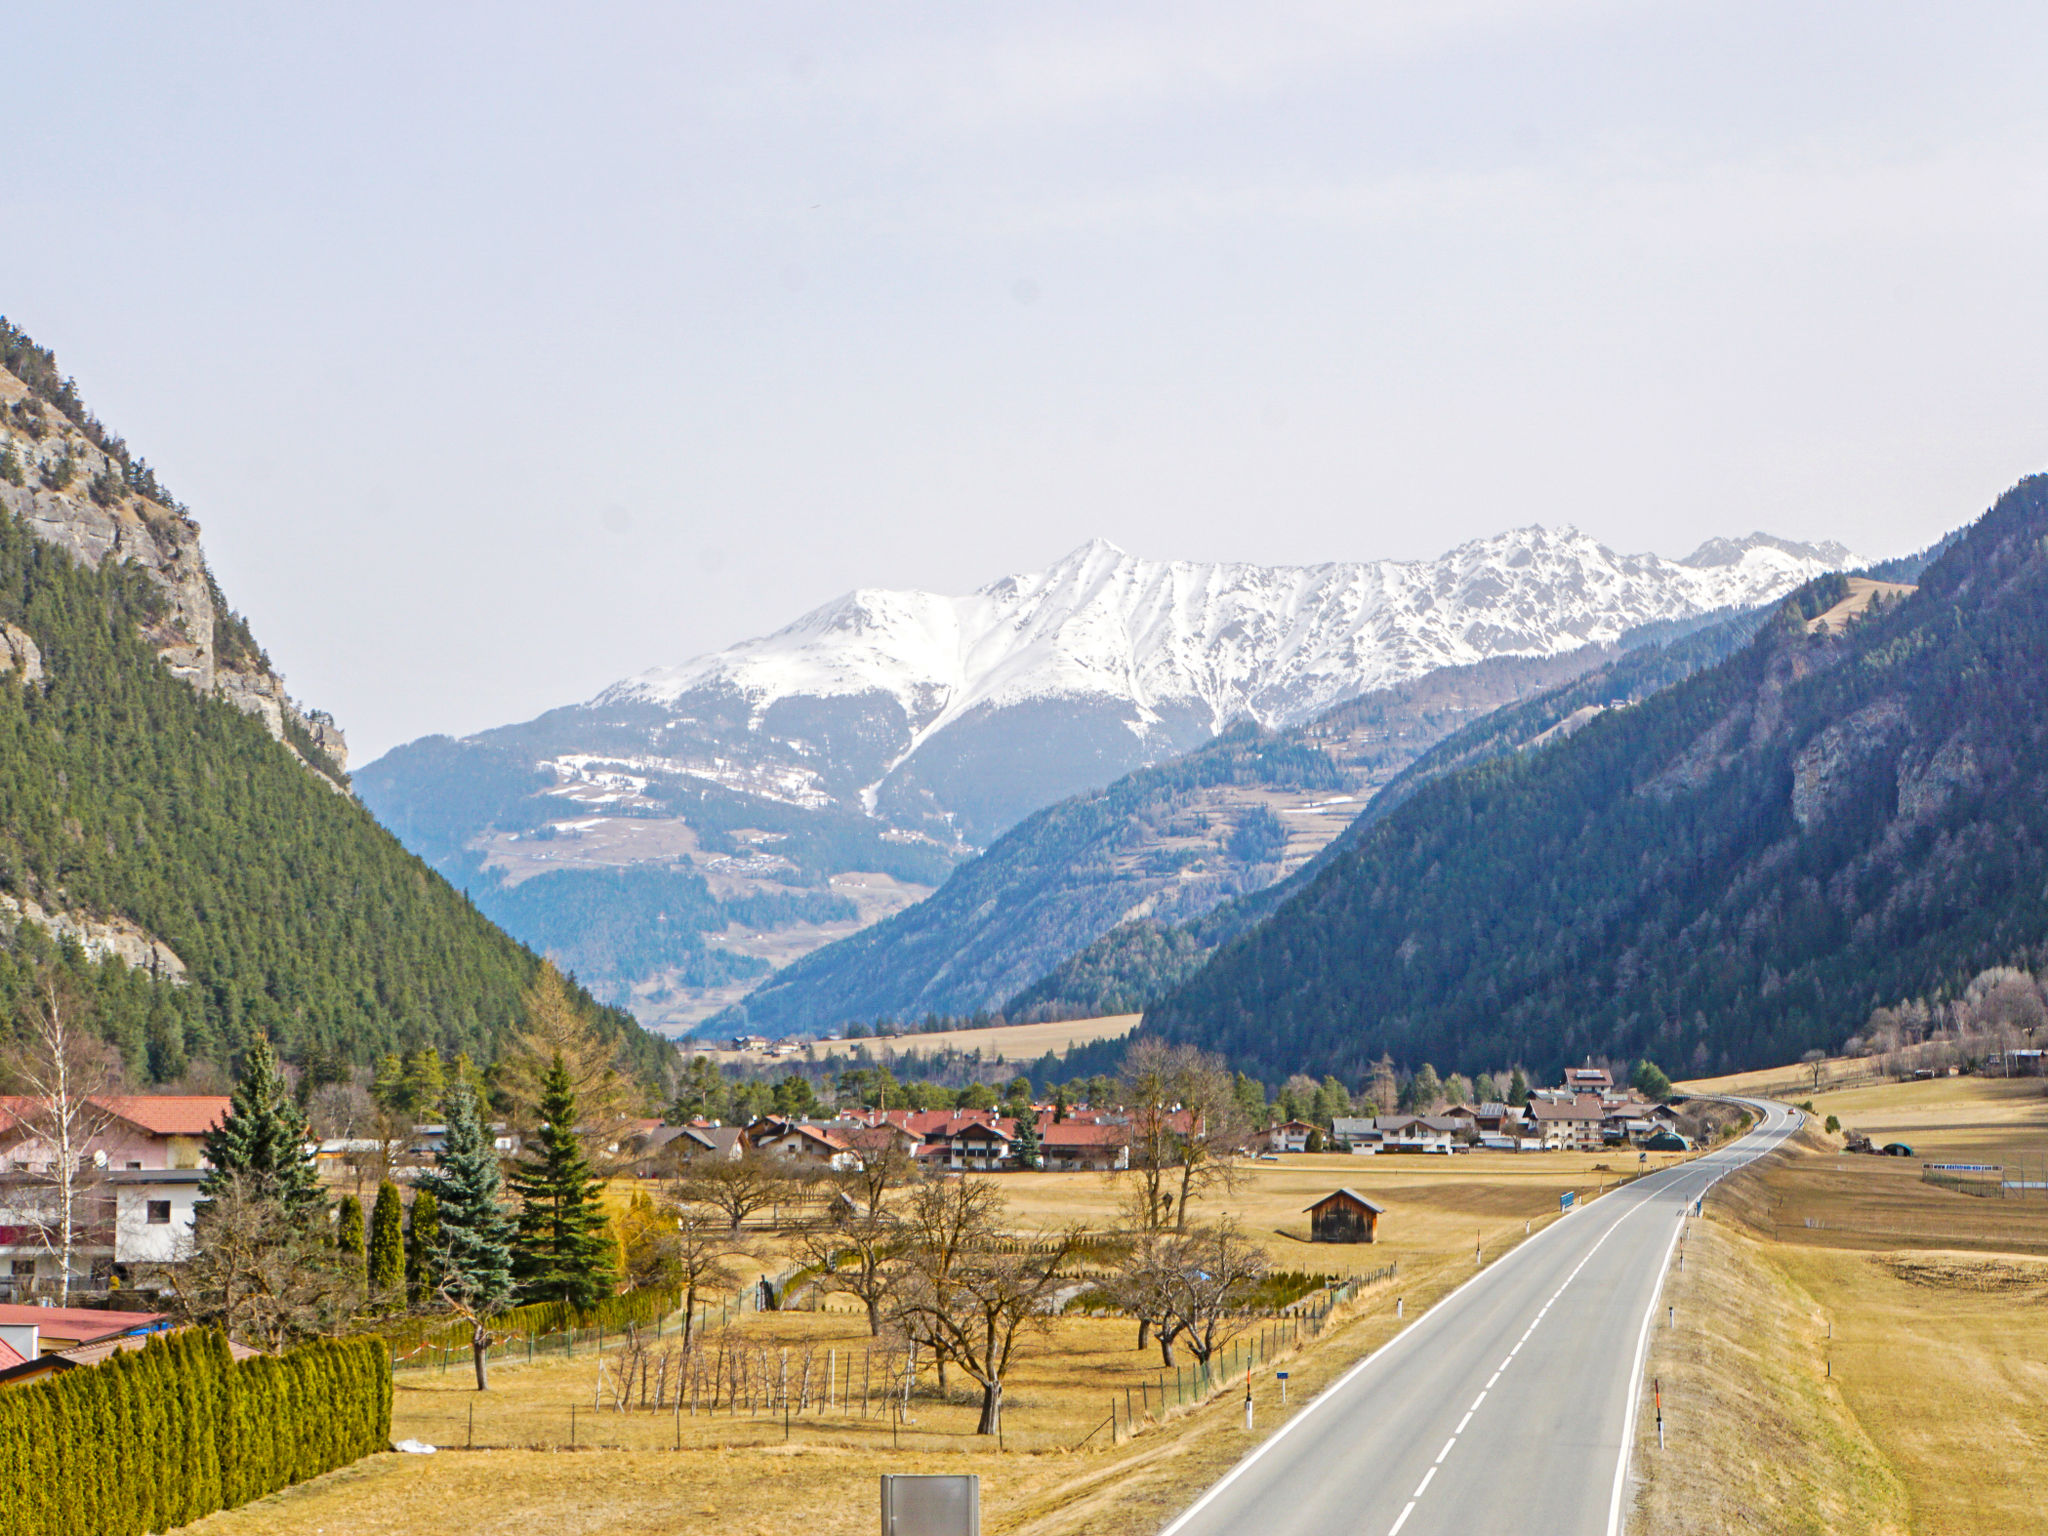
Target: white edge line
[[1341, 1382], [1635, 1382], [1329, 1392]]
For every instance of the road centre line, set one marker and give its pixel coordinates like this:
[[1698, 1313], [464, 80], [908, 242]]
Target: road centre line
[[1332, 1392], [1466, 1420], [1490, 1381], [1424, 1484], [1403, 1520], [1481, 1397], [1440, 1455]]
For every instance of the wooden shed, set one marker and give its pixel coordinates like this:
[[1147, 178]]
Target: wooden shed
[[1345, 1216]]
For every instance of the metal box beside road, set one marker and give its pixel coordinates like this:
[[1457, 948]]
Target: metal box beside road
[[930, 1506]]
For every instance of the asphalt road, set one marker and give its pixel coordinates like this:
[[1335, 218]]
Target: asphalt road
[[1510, 1403]]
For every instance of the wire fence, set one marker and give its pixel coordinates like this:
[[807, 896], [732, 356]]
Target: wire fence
[[508, 1341], [1989, 1181]]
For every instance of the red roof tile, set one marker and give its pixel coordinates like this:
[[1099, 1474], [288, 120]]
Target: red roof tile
[[171, 1114]]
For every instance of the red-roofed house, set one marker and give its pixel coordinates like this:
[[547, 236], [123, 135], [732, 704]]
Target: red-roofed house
[[151, 1149], [1071, 1146]]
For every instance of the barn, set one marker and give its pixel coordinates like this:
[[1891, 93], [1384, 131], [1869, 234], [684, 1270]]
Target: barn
[[1345, 1216]]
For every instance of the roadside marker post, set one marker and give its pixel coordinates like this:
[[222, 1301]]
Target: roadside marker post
[[1283, 1389], [1247, 1397], [1660, 1415]]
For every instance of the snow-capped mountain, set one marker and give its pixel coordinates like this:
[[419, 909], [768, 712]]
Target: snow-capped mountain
[[1171, 648], [860, 751]]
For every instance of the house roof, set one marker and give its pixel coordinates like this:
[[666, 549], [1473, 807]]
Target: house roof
[[83, 1325], [10, 1356], [1585, 1107], [1069, 1134], [1293, 1125], [171, 1114], [1348, 1194]]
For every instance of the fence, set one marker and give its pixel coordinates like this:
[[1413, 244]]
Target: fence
[[448, 1344], [1989, 1181]]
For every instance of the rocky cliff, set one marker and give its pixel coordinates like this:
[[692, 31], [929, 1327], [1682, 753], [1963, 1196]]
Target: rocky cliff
[[77, 487]]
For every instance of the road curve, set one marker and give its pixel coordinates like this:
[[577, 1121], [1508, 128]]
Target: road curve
[[1513, 1398]]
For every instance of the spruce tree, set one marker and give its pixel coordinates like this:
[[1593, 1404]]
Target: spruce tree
[[1518, 1089], [474, 1255], [1029, 1153], [422, 1239], [348, 1234], [563, 1251], [387, 1244], [263, 1140]]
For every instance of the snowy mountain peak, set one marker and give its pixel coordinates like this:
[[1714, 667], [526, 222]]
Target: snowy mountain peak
[[1219, 640]]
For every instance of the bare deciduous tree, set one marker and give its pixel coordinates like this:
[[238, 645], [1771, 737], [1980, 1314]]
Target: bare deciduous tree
[[963, 1296], [268, 1280], [738, 1186], [1191, 1286], [684, 1244], [61, 1072], [852, 1255]]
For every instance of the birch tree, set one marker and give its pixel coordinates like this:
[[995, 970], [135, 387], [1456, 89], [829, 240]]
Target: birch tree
[[62, 1072]]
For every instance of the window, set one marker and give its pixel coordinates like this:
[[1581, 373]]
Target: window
[[159, 1213], [24, 1269], [134, 1165]]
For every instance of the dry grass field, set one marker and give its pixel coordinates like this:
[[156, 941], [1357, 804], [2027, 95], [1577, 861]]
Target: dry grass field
[[1887, 1333], [1017, 1044], [739, 1470]]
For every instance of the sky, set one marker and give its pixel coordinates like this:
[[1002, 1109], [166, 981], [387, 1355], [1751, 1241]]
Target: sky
[[506, 350]]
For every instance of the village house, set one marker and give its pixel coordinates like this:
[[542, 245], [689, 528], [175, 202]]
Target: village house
[[1289, 1136], [1573, 1126], [815, 1146], [1359, 1134], [147, 1166], [1422, 1133], [1595, 1080], [1083, 1147]]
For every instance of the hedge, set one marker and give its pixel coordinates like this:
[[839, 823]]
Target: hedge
[[157, 1437]]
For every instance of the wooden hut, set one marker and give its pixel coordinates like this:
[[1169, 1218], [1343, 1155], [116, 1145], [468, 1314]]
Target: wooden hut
[[1345, 1216]]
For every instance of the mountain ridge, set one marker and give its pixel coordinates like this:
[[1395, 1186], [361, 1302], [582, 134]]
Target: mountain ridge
[[867, 747], [1732, 872]]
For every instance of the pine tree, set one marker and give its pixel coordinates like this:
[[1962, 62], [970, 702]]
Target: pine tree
[[563, 1251], [1518, 1089], [348, 1234], [263, 1139], [426, 1083], [387, 1244], [1029, 1153], [474, 1255], [422, 1240]]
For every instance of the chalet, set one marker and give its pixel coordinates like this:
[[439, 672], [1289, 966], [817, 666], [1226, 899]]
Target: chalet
[[723, 1143], [808, 1144], [984, 1146], [1290, 1136], [1345, 1216], [1074, 1146], [1574, 1126]]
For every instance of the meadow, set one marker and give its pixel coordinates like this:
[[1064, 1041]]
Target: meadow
[[1063, 1467], [1877, 1338]]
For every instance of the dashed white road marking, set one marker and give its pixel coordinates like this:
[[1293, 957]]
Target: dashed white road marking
[[1395, 1529], [1422, 1486]]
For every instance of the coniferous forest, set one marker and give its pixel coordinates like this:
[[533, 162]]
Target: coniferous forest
[[129, 795], [1732, 872]]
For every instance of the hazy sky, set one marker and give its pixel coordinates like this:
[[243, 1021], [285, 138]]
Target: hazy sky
[[505, 350]]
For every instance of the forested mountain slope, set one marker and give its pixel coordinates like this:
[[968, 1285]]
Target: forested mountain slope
[[1158, 847], [1726, 875], [166, 836], [861, 752]]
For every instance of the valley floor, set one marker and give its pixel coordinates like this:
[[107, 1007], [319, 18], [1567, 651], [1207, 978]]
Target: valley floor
[[1854, 1349], [1051, 1478]]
